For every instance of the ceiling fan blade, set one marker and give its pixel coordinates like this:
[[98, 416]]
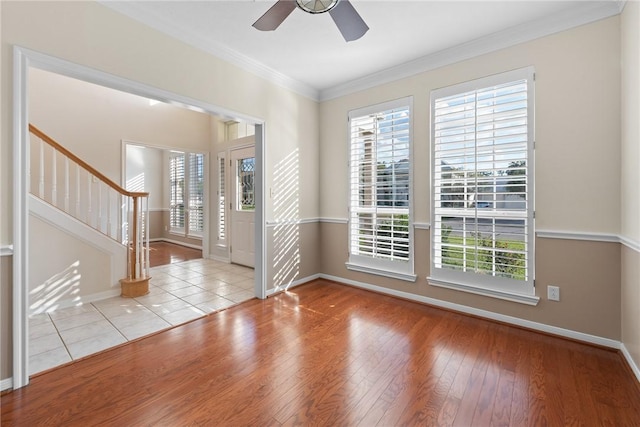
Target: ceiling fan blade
[[348, 21], [275, 15]]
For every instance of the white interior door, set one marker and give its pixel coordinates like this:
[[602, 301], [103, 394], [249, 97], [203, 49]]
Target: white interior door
[[243, 206]]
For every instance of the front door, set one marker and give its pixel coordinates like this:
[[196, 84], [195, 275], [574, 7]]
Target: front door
[[243, 206]]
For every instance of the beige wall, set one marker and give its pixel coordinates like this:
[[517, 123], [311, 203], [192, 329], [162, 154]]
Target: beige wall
[[295, 251], [65, 270], [630, 294], [5, 317], [156, 224], [630, 179], [92, 120], [630, 183], [587, 273], [147, 172]]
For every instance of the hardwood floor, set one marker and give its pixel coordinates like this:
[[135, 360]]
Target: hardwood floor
[[162, 253], [329, 354]]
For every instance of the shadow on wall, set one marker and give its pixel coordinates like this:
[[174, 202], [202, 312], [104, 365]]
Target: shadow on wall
[[286, 233], [63, 286], [136, 183]]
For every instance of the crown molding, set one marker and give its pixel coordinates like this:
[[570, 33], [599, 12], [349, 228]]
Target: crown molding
[[588, 12], [621, 4], [135, 12]]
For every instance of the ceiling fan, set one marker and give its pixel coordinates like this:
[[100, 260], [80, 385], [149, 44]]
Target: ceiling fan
[[347, 19]]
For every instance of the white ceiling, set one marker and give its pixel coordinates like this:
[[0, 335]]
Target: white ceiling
[[308, 54]]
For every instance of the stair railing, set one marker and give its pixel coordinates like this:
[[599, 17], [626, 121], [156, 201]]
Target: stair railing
[[70, 184]]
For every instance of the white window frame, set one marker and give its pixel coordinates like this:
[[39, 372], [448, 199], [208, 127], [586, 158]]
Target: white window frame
[[403, 270], [186, 230], [522, 291]]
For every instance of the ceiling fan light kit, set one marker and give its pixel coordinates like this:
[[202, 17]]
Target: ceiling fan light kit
[[345, 16], [317, 6]]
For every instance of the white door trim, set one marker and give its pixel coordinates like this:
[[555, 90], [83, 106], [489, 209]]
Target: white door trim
[[24, 58]]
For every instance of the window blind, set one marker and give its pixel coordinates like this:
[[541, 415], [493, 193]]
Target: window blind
[[176, 191], [196, 193], [221, 198], [379, 209], [482, 145]]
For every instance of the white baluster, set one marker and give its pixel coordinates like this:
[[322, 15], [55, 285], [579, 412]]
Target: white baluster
[[89, 210], [138, 240], [77, 213], [146, 240], [109, 229], [99, 225], [66, 184], [54, 179], [41, 177]]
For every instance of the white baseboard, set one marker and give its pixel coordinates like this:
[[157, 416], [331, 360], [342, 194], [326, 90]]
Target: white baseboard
[[219, 258], [632, 363], [87, 299], [6, 384], [292, 284], [176, 242], [554, 330]]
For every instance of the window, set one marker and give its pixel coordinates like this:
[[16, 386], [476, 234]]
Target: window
[[222, 231], [196, 194], [176, 192], [186, 193], [482, 222], [380, 232], [245, 200]]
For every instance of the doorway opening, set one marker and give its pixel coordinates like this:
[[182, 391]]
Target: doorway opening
[[25, 60]]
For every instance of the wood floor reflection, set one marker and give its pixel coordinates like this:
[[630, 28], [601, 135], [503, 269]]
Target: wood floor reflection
[[333, 355], [162, 253]]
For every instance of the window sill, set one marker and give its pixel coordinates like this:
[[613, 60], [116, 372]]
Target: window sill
[[493, 293], [380, 272]]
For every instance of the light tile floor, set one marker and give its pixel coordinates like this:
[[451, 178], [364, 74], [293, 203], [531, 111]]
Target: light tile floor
[[178, 293]]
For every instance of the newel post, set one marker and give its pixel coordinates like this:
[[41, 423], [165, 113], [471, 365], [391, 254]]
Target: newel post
[[137, 281]]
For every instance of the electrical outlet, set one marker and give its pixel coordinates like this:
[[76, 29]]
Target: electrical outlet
[[553, 293]]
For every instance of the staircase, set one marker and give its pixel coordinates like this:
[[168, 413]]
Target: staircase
[[66, 190]]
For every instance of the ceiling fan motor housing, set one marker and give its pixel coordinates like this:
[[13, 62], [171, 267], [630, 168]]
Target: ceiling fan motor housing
[[317, 6]]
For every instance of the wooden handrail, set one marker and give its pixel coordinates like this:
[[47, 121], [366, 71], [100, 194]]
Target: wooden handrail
[[84, 164]]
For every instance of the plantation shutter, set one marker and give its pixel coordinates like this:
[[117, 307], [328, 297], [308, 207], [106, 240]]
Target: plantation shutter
[[176, 192], [196, 193], [221, 198], [482, 183], [379, 211]]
